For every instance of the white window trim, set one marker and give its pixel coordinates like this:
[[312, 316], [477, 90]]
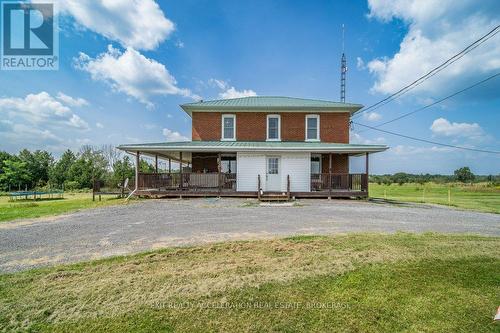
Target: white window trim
[[317, 130], [279, 127], [222, 127], [313, 155], [267, 164]]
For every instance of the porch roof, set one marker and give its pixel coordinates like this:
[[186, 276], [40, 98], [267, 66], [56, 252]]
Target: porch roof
[[251, 146]]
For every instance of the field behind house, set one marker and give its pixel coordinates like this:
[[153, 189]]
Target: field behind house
[[350, 283], [480, 197]]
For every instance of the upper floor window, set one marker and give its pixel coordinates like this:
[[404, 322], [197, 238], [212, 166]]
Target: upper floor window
[[273, 127], [228, 127], [312, 127]]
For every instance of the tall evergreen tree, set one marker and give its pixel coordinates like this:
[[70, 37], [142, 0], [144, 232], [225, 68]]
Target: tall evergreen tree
[[60, 172]]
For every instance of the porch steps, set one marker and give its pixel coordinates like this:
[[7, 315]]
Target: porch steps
[[274, 196]]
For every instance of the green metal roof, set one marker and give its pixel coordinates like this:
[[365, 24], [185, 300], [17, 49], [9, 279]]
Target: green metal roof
[[239, 146], [266, 103]]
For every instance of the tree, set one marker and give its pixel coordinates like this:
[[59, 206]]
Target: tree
[[15, 174], [123, 169], [38, 165], [4, 156], [89, 166], [420, 179], [112, 155], [400, 178], [59, 173], [387, 180], [464, 175], [145, 167]]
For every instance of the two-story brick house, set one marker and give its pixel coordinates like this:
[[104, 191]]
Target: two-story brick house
[[254, 146]]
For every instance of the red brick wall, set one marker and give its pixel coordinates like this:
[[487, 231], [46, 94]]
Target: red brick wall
[[251, 126], [206, 126], [334, 127], [205, 161], [340, 163]]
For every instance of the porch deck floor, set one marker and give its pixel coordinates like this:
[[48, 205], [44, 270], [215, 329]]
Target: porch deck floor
[[338, 193]]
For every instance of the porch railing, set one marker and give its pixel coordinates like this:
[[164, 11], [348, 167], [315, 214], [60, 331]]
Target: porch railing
[[213, 182], [339, 181], [190, 181]]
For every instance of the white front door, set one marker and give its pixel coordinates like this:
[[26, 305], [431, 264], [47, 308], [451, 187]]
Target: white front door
[[273, 177]]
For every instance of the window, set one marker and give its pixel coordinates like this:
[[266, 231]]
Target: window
[[228, 127], [228, 164], [272, 165], [312, 128], [315, 164], [273, 128]]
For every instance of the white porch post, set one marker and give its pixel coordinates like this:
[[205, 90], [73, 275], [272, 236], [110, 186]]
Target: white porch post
[[366, 169], [219, 161], [330, 166], [180, 169], [137, 157]]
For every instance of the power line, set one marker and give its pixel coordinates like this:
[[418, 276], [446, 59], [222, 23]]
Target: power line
[[436, 102], [434, 71], [428, 141]]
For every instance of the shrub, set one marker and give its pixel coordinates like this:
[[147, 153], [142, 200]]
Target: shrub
[[71, 185]]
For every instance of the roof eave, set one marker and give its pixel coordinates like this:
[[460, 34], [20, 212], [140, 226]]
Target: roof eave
[[189, 109], [347, 150]]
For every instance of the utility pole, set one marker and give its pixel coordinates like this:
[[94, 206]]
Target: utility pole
[[343, 68]]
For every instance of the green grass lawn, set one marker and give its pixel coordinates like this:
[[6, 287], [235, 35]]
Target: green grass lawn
[[476, 197], [349, 283], [11, 210]]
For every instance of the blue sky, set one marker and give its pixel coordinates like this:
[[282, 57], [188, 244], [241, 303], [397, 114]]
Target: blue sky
[[125, 68]]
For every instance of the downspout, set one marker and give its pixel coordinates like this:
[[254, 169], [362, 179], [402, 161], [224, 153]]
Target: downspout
[[137, 156]]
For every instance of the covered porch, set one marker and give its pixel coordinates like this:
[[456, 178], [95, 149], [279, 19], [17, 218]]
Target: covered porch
[[195, 174], [190, 171], [192, 178]]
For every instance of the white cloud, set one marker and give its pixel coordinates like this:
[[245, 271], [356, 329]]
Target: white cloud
[[404, 150], [229, 91], [221, 84], [149, 126], [85, 141], [233, 93], [99, 125], [140, 24], [132, 73], [437, 29], [372, 116], [173, 136], [360, 64], [68, 100], [443, 127], [40, 109], [38, 121], [357, 138]]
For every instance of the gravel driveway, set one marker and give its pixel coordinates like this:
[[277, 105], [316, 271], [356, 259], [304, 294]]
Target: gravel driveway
[[152, 224]]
